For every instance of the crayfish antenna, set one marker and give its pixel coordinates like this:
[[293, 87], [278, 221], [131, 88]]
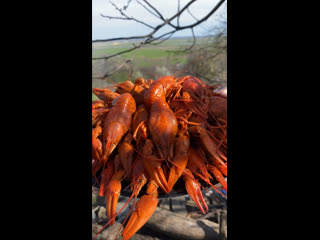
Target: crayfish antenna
[[206, 140], [208, 182]]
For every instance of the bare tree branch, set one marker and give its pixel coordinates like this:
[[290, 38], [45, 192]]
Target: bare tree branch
[[126, 6], [164, 39], [150, 38], [204, 18], [192, 15], [178, 18], [195, 19], [154, 9], [181, 11], [188, 48], [157, 16], [125, 16], [194, 41], [118, 67], [121, 38]]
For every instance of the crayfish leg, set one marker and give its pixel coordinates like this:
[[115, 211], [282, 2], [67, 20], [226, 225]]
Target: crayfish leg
[[218, 175]]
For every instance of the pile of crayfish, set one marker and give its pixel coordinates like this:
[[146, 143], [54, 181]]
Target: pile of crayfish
[[149, 134]]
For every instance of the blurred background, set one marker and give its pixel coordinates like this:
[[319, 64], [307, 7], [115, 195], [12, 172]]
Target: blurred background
[[150, 39], [131, 39]]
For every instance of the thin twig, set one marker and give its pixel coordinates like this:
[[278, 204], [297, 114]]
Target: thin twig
[[181, 11], [121, 38], [186, 49], [126, 6], [108, 74], [161, 36], [154, 9], [178, 18], [125, 16], [192, 15], [165, 39], [204, 18], [157, 16], [149, 38]]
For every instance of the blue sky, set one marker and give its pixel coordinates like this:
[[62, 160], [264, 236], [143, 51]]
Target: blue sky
[[103, 28]]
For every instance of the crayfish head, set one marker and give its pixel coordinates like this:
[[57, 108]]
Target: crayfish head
[[141, 82], [124, 87], [100, 93]]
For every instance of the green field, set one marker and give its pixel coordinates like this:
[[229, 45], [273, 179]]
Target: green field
[[150, 51], [146, 56], [148, 61], [166, 44]]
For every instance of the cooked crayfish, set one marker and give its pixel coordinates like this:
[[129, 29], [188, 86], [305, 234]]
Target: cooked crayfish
[[148, 134]]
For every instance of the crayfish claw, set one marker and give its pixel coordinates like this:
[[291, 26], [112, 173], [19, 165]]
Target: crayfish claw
[[144, 209], [156, 173], [112, 195], [194, 191]]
